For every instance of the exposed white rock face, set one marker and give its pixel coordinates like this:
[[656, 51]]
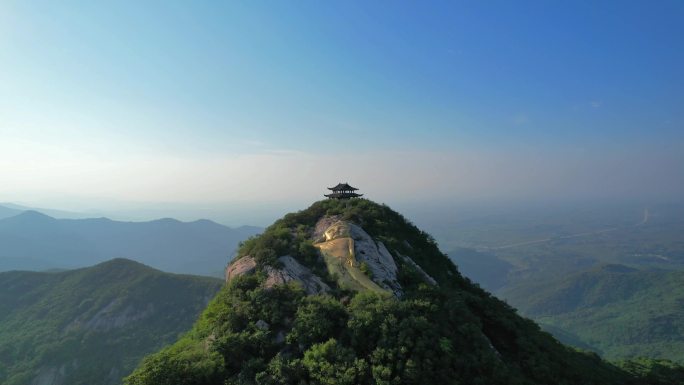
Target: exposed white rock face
[[363, 250], [321, 226], [295, 271], [380, 262], [291, 270], [242, 266], [338, 229]]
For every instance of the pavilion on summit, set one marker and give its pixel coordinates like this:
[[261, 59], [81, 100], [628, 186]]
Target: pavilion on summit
[[342, 191]]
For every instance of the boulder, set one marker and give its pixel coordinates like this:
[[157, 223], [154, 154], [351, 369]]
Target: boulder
[[292, 270], [262, 325], [241, 266]]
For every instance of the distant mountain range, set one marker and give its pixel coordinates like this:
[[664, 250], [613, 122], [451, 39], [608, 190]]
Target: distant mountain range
[[12, 209], [34, 241], [91, 326]]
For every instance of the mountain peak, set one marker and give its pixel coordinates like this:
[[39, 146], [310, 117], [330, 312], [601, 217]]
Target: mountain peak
[[28, 221], [331, 242], [341, 324], [170, 221], [121, 267], [33, 215], [115, 262]]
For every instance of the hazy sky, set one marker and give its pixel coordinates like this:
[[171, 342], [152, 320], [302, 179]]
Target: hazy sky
[[221, 105]]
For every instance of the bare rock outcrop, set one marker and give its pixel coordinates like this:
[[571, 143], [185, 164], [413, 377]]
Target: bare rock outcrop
[[242, 266], [294, 271], [362, 251], [322, 226], [290, 270], [383, 269], [262, 325]]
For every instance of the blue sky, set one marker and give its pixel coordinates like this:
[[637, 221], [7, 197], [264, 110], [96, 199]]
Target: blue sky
[[214, 103]]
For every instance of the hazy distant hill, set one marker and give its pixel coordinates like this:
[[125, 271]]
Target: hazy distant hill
[[35, 241], [6, 212], [618, 310], [92, 325], [51, 212]]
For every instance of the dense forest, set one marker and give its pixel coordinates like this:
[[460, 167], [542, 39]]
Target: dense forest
[[618, 310]]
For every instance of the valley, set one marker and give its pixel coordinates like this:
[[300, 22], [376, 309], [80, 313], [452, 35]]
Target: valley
[[573, 283]]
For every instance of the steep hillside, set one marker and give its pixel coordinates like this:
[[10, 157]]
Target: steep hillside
[[91, 326], [35, 241], [349, 292], [617, 310]]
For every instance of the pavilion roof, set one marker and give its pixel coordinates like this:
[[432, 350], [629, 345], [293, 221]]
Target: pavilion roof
[[339, 195], [342, 187]]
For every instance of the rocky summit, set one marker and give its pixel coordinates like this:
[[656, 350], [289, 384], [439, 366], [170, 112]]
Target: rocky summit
[[350, 292]]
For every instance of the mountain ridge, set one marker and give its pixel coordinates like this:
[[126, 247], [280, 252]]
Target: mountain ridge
[[90, 325], [35, 241]]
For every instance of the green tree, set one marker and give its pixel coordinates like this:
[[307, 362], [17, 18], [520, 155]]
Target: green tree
[[329, 363]]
